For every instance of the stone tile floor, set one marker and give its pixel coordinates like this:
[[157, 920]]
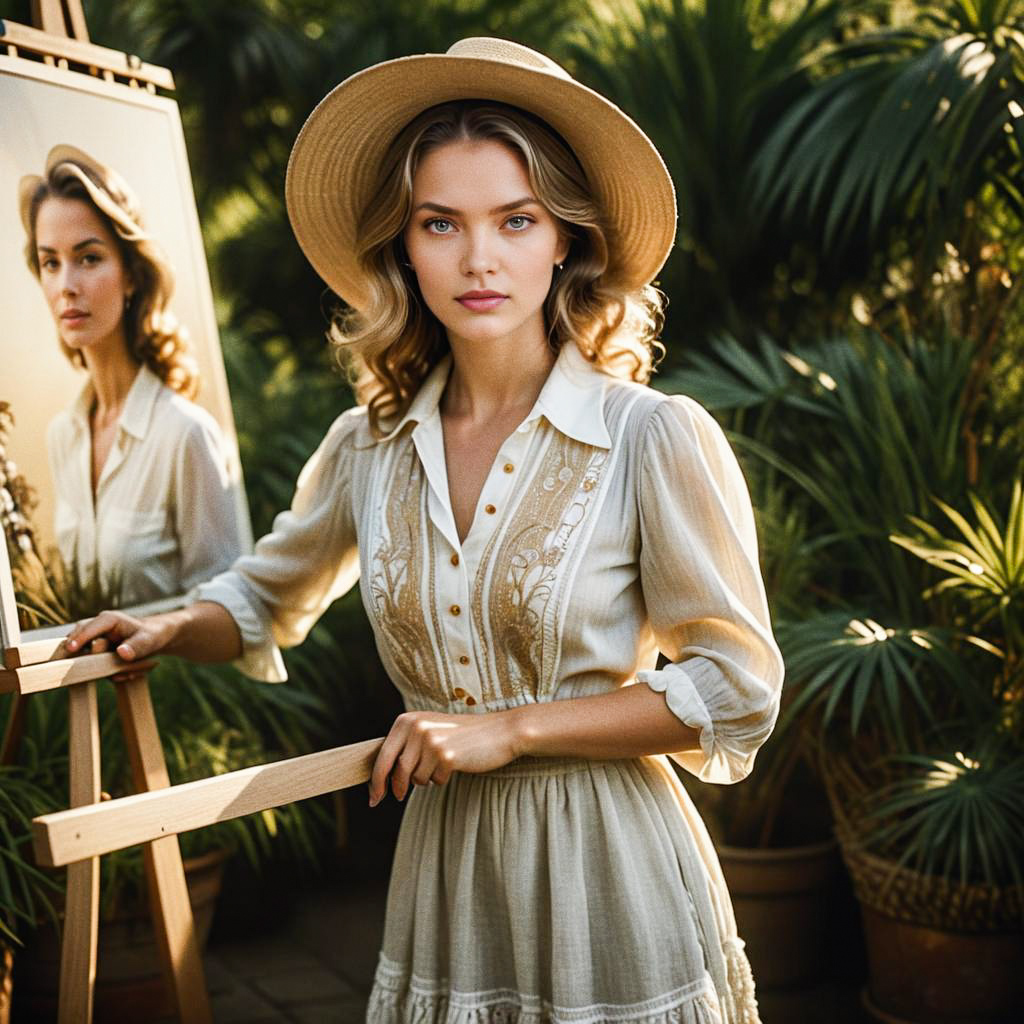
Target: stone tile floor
[[316, 966]]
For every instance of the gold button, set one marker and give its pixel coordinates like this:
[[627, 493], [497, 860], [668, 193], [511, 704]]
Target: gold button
[[455, 610], [455, 559], [458, 692], [509, 467], [490, 509], [588, 485], [470, 701], [463, 659]]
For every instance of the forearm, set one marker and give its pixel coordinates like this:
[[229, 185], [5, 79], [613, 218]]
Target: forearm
[[630, 722], [204, 631]]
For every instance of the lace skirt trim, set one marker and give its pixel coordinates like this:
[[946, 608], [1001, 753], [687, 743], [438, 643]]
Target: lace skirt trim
[[396, 1000]]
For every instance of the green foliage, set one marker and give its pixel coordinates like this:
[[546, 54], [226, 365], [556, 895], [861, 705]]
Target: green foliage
[[988, 562], [865, 429], [26, 893], [857, 665], [956, 815], [912, 137], [708, 81]]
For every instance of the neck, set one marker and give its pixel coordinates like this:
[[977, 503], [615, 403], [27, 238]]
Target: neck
[[112, 370], [488, 382]]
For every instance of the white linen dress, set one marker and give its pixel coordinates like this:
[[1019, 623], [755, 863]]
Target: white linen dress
[[615, 522], [166, 514]]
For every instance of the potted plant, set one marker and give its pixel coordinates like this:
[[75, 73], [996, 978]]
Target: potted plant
[[905, 659]]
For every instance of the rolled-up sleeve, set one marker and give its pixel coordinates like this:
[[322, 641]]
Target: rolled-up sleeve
[[310, 558], [704, 593]]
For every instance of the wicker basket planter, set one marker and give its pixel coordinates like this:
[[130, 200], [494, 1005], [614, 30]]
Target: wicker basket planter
[[938, 952]]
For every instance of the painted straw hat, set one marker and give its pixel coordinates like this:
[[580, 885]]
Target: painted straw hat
[[123, 209], [334, 164]]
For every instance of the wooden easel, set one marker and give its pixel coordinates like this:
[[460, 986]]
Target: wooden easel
[[43, 666], [61, 40]]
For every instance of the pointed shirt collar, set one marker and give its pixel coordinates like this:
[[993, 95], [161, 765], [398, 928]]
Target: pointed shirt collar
[[138, 406], [571, 399]]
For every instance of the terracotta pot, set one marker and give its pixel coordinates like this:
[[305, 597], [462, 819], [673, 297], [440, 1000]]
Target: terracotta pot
[[920, 974], [781, 900], [129, 982]]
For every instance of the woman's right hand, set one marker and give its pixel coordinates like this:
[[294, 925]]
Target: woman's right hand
[[203, 631], [133, 639]]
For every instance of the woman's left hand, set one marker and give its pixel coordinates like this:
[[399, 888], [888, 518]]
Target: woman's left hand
[[425, 746]]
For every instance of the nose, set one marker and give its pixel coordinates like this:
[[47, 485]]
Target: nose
[[67, 279], [479, 257]]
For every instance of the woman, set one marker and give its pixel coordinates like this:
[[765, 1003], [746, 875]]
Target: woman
[[529, 526], [145, 506]]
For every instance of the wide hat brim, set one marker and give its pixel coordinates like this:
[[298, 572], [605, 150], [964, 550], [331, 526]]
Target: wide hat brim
[[58, 154], [334, 166]]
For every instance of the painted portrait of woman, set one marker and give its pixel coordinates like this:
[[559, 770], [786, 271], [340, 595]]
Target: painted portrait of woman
[[144, 505]]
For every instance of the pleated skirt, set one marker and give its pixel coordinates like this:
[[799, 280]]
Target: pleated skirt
[[559, 891]]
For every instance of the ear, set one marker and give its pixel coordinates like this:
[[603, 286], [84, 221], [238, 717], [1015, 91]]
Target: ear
[[564, 242]]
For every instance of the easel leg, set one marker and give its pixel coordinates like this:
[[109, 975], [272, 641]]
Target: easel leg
[[168, 894], [82, 906]]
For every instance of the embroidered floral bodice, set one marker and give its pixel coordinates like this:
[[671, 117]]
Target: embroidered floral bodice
[[614, 523]]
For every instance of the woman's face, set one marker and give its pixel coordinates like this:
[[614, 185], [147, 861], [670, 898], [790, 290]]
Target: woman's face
[[84, 278], [482, 246]]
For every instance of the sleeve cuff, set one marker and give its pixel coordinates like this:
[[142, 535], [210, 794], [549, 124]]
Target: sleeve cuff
[[261, 659], [683, 701], [681, 685]]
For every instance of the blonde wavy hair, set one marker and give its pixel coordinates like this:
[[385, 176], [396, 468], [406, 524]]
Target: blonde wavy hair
[[154, 336], [390, 345]]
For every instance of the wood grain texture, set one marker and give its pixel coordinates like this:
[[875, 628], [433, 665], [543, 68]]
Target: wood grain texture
[[173, 925], [50, 675], [101, 57], [33, 652], [82, 906], [69, 836]]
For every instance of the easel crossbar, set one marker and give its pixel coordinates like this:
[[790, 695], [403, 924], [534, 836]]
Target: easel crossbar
[[82, 832], [49, 675], [32, 40]]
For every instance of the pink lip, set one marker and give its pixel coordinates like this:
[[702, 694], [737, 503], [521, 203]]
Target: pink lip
[[73, 317], [481, 302]]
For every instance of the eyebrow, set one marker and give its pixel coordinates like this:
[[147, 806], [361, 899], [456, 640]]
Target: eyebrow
[[75, 248], [438, 208]]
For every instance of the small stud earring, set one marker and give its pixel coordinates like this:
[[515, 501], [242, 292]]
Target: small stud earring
[[560, 266]]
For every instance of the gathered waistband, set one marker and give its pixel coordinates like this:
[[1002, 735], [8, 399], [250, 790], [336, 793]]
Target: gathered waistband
[[526, 767]]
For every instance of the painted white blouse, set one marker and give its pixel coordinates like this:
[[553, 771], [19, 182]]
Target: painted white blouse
[[166, 514], [614, 523]]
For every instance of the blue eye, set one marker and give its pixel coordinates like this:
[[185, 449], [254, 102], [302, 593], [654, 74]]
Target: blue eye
[[519, 221], [439, 226]]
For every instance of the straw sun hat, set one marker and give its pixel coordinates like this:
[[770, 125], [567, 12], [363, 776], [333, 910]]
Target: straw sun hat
[[335, 162]]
